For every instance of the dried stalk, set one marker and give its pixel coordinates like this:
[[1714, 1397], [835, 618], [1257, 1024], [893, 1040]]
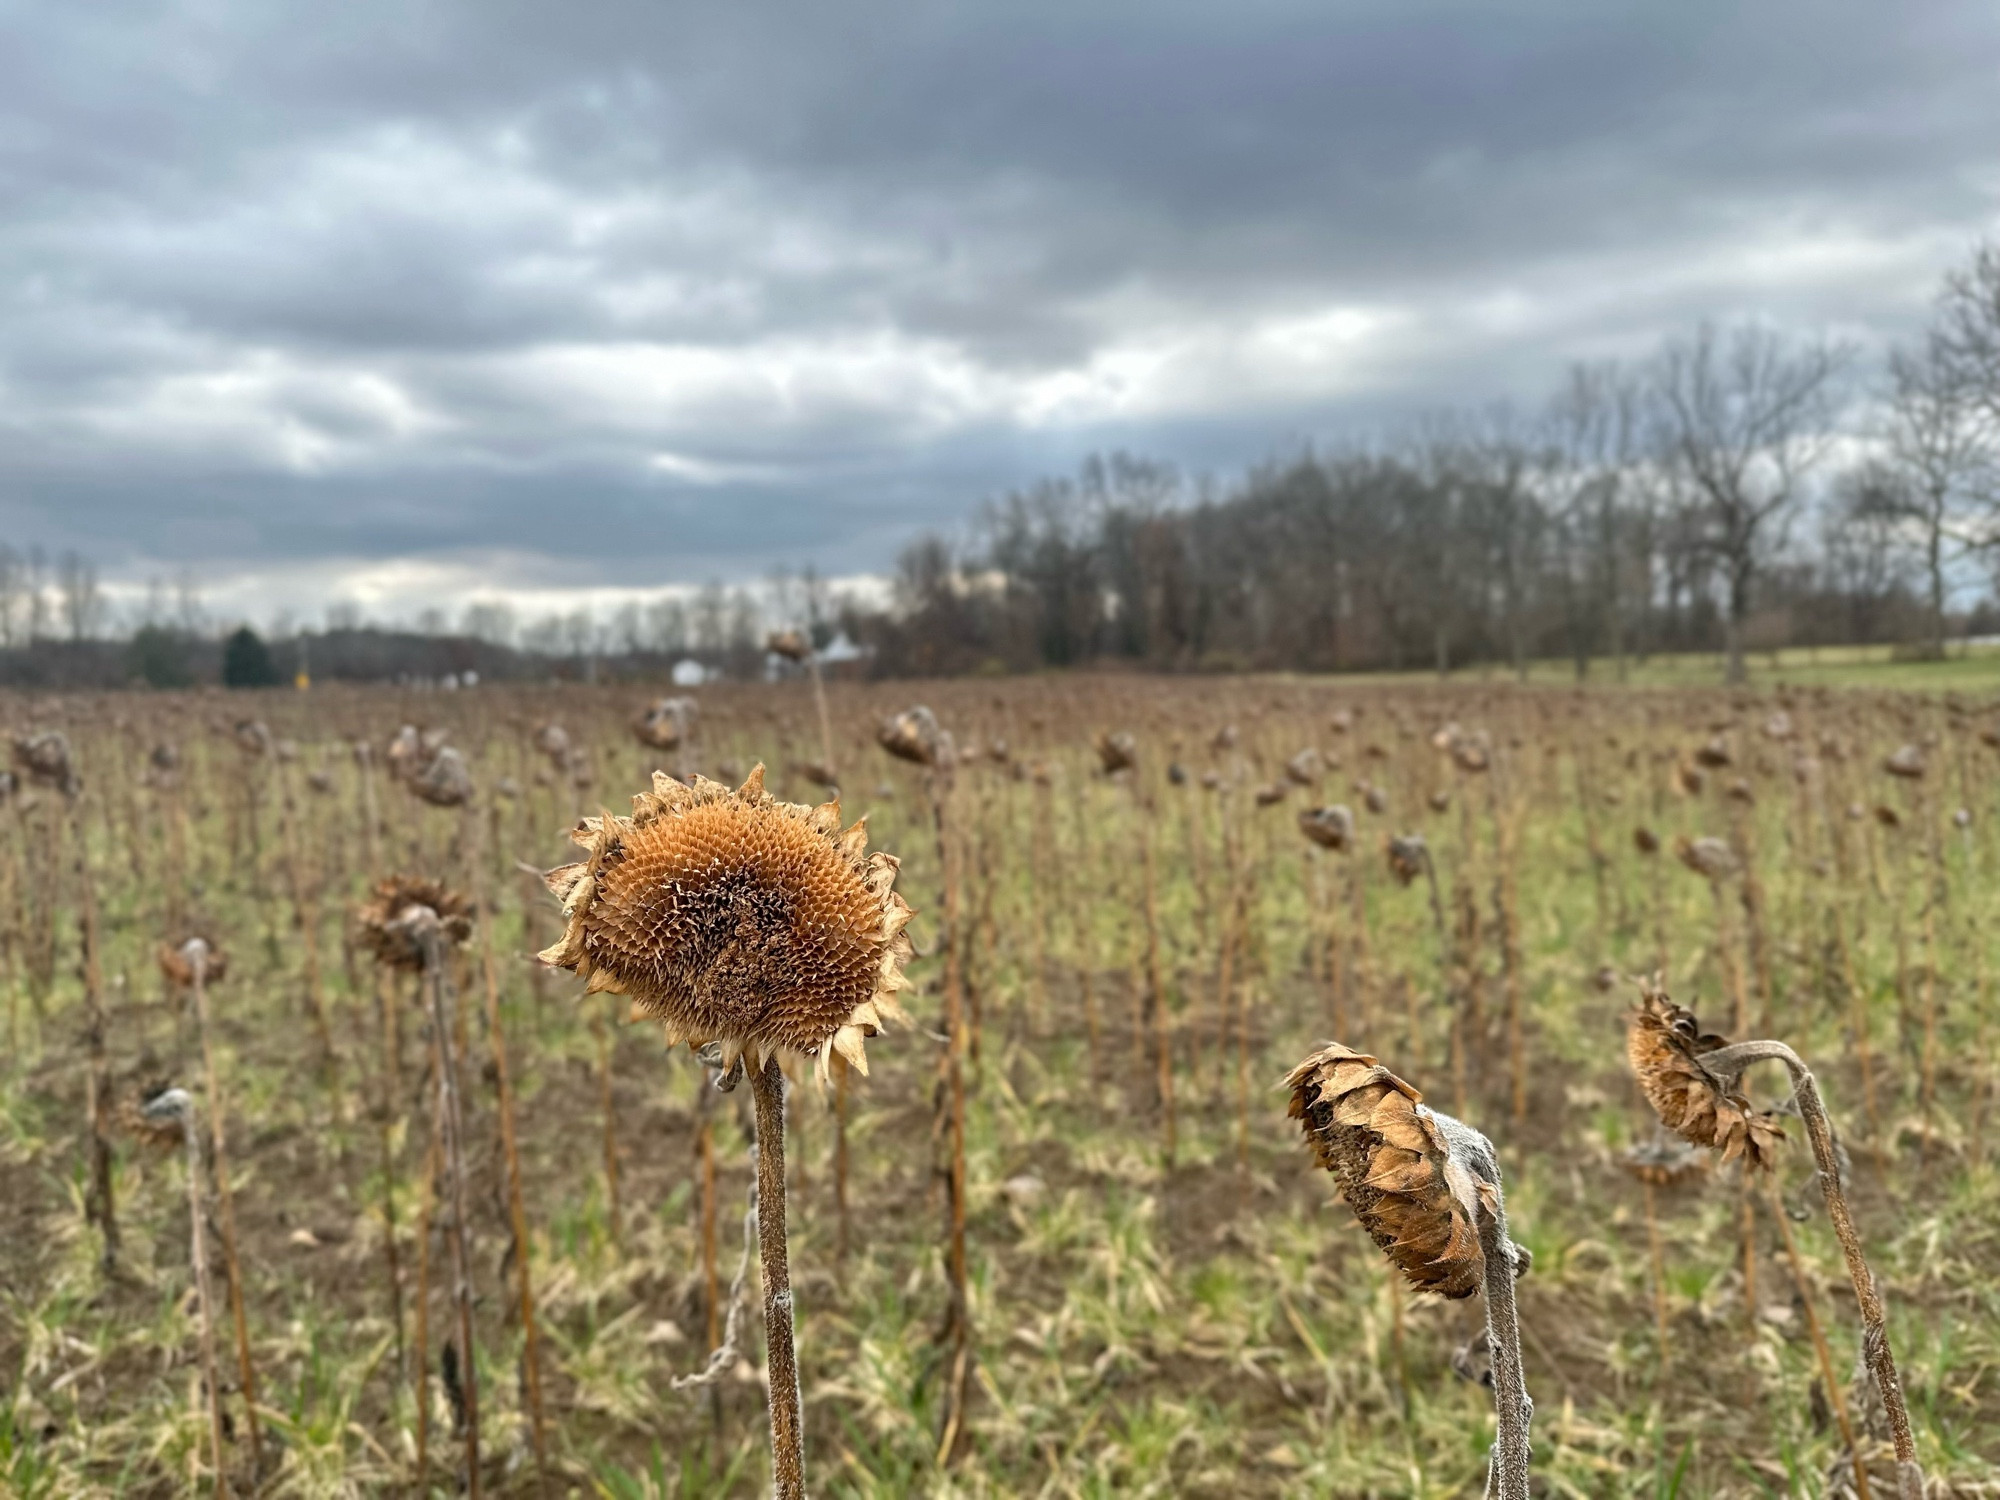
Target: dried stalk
[[788, 1454], [957, 1332], [496, 1037], [614, 1212], [103, 1210], [196, 953], [1156, 992], [176, 1107], [1659, 1268], [1820, 1352], [451, 1129], [1729, 1063]]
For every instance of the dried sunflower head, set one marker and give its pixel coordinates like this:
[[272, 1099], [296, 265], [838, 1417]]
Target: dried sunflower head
[[914, 735], [1330, 827], [389, 918], [665, 724], [161, 1118], [444, 780], [1117, 752], [734, 918], [818, 772], [1306, 767], [552, 741], [1666, 1045], [1401, 1166], [1663, 1162], [1472, 752], [1711, 858], [178, 961], [1272, 794], [45, 756], [1907, 762], [790, 644], [405, 753], [1408, 857]]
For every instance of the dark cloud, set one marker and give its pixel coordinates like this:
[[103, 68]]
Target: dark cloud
[[650, 293]]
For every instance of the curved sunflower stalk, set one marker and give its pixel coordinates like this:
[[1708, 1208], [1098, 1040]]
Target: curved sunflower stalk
[[1427, 1189], [1694, 1081]]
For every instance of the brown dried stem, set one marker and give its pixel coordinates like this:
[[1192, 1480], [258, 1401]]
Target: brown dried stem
[[496, 1037], [196, 953], [1820, 1352], [451, 1130], [788, 1456], [1880, 1360], [174, 1105], [97, 1091]]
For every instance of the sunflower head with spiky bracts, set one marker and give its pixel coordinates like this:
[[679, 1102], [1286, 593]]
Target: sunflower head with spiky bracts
[[731, 917]]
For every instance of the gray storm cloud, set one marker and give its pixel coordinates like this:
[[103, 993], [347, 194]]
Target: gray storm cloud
[[625, 294]]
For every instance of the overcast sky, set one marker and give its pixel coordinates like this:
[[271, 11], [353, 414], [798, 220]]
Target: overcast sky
[[412, 301]]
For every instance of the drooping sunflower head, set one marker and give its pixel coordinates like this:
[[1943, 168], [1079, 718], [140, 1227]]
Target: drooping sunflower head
[[45, 756], [1117, 751], [915, 735], [181, 961], [734, 918], [391, 919], [1409, 856], [1710, 858], [444, 780], [1330, 827], [1664, 1161], [1397, 1168], [1666, 1045]]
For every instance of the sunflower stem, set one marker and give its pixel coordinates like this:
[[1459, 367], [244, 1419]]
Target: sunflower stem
[[1507, 1479], [246, 1373], [1730, 1062], [788, 1456], [451, 1139]]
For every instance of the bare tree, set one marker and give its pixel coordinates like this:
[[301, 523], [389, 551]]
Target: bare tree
[[489, 620], [13, 584], [191, 617], [667, 626], [1504, 515], [1584, 472], [1744, 416], [1934, 479], [628, 629], [1968, 329], [35, 592], [82, 602], [711, 619]]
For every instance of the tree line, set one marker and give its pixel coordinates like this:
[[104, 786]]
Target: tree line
[[1739, 490]]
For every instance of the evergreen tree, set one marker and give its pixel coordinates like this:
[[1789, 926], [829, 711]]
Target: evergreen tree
[[246, 661], [159, 656]]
